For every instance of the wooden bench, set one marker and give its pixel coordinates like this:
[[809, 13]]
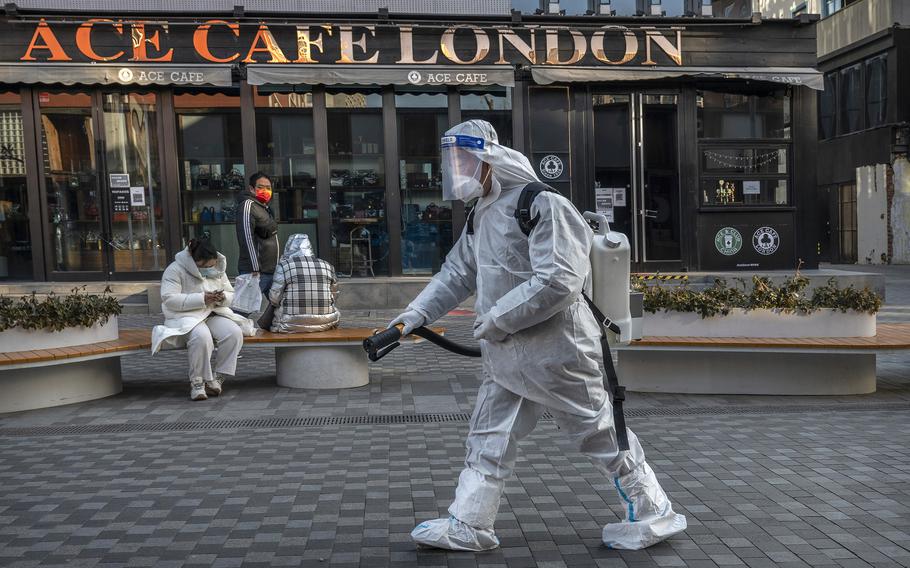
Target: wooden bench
[[52, 377], [769, 366]]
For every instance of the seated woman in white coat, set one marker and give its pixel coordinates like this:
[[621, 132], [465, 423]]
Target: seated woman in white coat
[[195, 298]]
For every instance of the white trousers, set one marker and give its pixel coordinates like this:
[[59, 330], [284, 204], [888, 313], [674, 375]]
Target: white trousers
[[502, 419], [201, 342]]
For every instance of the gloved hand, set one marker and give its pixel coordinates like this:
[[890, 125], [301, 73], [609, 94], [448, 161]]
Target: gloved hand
[[484, 328], [411, 319]]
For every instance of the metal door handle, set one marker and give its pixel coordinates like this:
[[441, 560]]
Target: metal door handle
[[649, 213]]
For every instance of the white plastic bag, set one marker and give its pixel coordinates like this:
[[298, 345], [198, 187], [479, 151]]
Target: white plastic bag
[[247, 295]]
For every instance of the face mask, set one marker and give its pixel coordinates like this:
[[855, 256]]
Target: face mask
[[209, 272], [263, 195]]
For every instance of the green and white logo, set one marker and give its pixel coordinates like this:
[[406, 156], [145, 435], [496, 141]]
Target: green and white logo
[[728, 241]]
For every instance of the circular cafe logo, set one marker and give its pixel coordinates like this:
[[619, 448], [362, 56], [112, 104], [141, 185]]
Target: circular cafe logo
[[551, 166], [765, 241], [125, 75], [728, 241], [414, 77]]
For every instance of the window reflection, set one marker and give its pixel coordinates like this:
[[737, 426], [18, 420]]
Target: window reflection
[[210, 140], [360, 234], [71, 181], [131, 148], [492, 105], [286, 151], [426, 219], [15, 241]]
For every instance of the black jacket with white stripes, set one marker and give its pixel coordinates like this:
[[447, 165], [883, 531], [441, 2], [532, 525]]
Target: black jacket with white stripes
[[257, 235]]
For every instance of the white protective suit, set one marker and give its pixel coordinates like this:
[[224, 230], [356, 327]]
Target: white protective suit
[[540, 351]]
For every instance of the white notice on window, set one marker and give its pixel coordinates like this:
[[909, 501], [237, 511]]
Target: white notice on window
[[137, 196], [751, 188], [619, 197], [603, 200]]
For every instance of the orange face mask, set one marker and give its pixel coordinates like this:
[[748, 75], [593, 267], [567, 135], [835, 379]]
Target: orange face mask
[[263, 195]]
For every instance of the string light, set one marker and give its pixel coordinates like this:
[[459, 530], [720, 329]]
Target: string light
[[746, 162]]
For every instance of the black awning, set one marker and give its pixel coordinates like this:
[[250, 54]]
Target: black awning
[[340, 74], [115, 74], [805, 76]]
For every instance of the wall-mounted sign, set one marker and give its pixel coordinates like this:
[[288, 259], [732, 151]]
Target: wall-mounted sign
[[137, 196], [728, 241], [765, 240], [135, 42], [119, 180], [120, 199], [551, 167], [770, 235], [603, 201], [619, 197]]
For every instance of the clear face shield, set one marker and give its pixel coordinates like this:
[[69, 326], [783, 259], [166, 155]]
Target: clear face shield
[[462, 169]]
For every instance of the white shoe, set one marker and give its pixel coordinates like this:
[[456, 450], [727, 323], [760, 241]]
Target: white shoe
[[197, 389], [649, 515], [453, 534], [213, 387]]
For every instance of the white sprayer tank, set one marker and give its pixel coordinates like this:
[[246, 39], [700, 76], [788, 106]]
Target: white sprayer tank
[[609, 282]]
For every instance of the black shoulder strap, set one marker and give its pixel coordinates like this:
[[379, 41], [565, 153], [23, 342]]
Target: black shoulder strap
[[470, 221], [612, 386], [523, 211]]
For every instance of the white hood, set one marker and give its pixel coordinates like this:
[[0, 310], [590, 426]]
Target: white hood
[[511, 169]]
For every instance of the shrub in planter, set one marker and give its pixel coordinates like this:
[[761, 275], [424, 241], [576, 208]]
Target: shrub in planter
[[56, 313], [768, 310], [31, 322], [790, 297]]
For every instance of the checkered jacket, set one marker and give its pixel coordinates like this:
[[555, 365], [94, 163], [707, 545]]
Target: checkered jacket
[[303, 293]]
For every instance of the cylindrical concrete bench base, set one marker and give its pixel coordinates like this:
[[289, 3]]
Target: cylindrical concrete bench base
[[322, 367], [55, 385], [747, 372]]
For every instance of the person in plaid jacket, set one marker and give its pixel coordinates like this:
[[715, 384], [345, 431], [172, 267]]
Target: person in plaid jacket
[[303, 290]]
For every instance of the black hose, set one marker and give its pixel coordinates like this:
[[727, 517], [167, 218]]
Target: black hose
[[445, 343], [381, 343]]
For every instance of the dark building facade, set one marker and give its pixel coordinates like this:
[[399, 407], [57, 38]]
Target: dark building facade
[[863, 173], [122, 137]]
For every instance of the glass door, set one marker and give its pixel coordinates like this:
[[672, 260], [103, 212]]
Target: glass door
[[636, 173], [71, 185], [133, 184]]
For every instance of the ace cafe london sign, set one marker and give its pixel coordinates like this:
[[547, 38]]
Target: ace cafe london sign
[[223, 41]]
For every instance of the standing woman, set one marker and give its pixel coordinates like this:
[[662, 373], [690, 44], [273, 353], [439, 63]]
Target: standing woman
[[195, 298]]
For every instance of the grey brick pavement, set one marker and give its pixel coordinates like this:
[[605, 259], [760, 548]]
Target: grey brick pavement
[[813, 488]]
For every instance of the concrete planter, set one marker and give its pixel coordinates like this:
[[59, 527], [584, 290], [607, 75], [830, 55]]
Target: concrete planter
[[19, 339], [761, 323]]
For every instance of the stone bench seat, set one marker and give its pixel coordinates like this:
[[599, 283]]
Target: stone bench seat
[[52, 377], [758, 366]]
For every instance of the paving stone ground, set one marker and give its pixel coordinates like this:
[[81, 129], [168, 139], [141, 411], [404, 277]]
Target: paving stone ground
[[125, 482]]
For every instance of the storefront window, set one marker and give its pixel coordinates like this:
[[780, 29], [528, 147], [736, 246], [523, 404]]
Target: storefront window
[[286, 151], [210, 141], [426, 219], [71, 181], [851, 99], [732, 115], [492, 105], [876, 91], [827, 108], [740, 161], [131, 149], [15, 241], [360, 232]]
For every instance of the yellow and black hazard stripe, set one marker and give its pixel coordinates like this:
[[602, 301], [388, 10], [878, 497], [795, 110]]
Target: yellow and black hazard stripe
[[664, 277]]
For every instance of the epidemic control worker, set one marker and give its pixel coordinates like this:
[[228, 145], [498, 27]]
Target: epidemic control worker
[[539, 342]]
